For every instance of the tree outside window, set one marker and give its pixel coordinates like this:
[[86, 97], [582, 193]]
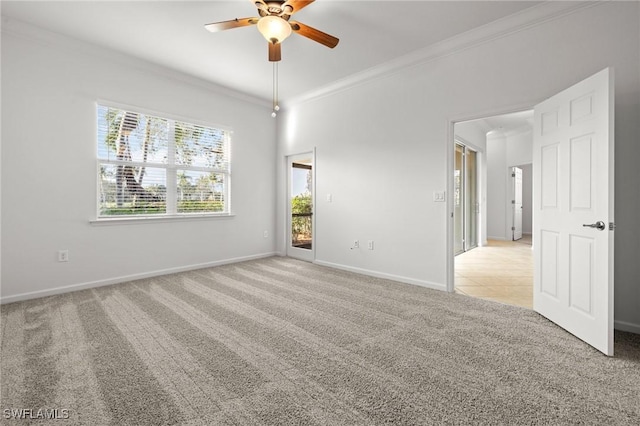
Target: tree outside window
[[150, 165]]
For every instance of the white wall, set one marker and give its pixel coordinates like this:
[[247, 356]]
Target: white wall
[[497, 186], [49, 89], [520, 147], [383, 145]]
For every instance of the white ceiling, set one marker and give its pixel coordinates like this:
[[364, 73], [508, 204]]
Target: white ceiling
[[172, 34], [507, 123]]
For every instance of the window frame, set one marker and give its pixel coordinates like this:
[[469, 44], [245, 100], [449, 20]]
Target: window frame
[[171, 168]]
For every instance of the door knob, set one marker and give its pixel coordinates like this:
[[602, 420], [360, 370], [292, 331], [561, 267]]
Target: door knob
[[599, 225]]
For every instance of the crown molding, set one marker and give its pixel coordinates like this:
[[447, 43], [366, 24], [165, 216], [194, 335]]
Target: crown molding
[[20, 29], [520, 21]]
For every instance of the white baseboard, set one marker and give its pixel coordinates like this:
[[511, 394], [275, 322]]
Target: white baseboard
[[125, 278], [505, 238], [392, 277], [627, 326]]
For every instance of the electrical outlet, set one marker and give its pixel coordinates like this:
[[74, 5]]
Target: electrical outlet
[[63, 255], [356, 244], [329, 198], [266, 234], [370, 244]]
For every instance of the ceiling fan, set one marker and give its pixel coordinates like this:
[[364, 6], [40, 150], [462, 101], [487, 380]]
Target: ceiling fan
[[275, 25]]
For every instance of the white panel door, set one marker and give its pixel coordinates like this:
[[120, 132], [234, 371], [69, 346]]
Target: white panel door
[[573, 205], [516, 175]]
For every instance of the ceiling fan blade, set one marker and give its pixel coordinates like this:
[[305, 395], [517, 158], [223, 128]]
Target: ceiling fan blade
[[263, 9], [292, 6], [234, 23], [315, 35], [275, 53]]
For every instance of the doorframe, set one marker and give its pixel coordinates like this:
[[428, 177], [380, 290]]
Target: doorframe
[[451, 140], [287, 246], [510, 210]]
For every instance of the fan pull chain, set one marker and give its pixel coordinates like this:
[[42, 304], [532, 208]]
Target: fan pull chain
[[276, 107]]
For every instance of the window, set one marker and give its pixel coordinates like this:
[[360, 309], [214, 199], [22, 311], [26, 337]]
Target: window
[[153, 166]]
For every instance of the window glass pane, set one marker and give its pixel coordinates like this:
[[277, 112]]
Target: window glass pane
[[150, 165], [301, 205], [199, 146], [128, 190], [130, 136], [200, 192]]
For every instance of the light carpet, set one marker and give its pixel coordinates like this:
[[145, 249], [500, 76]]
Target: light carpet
[[278, 341]]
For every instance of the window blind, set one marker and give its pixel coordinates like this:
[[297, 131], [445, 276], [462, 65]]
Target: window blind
[[149, 166]]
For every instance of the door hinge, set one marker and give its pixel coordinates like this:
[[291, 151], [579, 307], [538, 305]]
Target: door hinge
[[513, 228], [612, 226], [513, 175], [513, 201]]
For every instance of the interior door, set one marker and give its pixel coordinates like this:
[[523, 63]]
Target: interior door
[[516, 175], [573, 206], [300, 207]]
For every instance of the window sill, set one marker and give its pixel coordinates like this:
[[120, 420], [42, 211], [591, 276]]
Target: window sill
[[156, 219]]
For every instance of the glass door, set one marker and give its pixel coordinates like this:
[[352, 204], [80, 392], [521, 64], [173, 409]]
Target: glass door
[[472, 207], [300, 207], [458, 200], [465, 201]]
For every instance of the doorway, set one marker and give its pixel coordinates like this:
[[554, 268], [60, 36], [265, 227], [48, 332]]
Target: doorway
[[516, 184], [572, 147], [500, 266], [300, 208]]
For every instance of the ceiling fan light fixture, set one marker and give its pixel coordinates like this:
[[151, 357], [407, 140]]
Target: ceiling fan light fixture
[[274, 29]]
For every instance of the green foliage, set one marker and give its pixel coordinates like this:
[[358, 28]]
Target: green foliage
[[194, 142], [113, 117], [139, 209], [197, 206], [302, 203], [185, 206], [301, 225], [149, 131]]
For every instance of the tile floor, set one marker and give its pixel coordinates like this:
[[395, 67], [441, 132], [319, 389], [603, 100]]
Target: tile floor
[[501, 271]]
